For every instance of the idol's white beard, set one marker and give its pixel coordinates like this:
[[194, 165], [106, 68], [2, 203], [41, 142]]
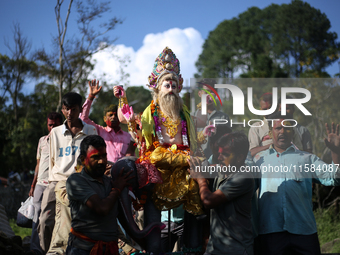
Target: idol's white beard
[[170, 104]]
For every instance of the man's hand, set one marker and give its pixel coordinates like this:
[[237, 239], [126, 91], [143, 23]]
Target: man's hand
[[108, 170], [195, 163], [94, 88], [118, 91], [122, 180], [333, 139], [30, 194]]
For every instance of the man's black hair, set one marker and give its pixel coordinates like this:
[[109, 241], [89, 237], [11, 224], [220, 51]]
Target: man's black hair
[[221, 130], [277, 116], [236, 141], [55, 116], [72, 99], [110, 108], [95, 140]]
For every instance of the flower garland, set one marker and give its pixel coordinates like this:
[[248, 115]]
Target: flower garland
[[175, 149]]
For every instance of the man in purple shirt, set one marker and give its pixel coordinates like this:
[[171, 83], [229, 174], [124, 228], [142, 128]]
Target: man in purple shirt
[[118, 142]]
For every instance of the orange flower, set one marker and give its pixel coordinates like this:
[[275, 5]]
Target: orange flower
[[155, 144], [152, 107]]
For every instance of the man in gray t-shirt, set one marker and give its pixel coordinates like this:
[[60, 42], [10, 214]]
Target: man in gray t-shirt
[[230, 223], [230, 200], [93, 197]]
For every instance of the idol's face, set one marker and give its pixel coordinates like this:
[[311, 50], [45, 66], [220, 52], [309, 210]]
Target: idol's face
[[169, 86]]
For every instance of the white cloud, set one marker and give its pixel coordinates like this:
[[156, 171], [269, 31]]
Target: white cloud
[[185, 43]]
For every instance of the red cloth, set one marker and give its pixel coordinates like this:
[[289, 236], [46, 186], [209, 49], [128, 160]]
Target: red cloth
[[111, 247], [147, 173]]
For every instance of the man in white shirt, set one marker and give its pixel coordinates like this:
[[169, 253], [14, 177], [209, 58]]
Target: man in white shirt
[[40, 180], [64, 150]]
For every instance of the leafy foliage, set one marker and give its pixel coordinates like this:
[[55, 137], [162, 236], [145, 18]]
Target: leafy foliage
[[328, 225], [279, 41], [18, 231], [66, 67], [70, 64]]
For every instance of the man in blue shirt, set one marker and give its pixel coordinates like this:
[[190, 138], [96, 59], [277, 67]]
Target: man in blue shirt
[[286, 220]]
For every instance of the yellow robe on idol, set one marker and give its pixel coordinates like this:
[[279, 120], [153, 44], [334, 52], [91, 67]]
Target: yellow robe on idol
[[177, 187]]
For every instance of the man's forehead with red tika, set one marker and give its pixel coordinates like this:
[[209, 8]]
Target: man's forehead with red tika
[[225, 150]]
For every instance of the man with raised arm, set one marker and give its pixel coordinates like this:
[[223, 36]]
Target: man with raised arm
[[286, 220], [118, 142]]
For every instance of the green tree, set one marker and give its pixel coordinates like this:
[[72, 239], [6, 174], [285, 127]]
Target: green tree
[[17, 131], [303, 38], [70, 65], [279, 41], [15, 69], [220, 56]]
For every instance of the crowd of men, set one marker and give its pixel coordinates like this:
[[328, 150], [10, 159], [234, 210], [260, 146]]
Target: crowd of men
[[266, 212], [59, 155]]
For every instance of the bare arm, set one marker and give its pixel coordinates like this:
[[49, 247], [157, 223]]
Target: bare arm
[[105, 205], [120, 93], [84, 115], [94, 89], [121, 116], [35, 178], [210, 199]]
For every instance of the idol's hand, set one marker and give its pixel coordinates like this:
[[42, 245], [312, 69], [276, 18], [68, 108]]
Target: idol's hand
[[118, 91], [127, 112]]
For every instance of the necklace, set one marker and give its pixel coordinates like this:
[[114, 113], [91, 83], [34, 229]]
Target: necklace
[[155, 112], [171, 125]]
